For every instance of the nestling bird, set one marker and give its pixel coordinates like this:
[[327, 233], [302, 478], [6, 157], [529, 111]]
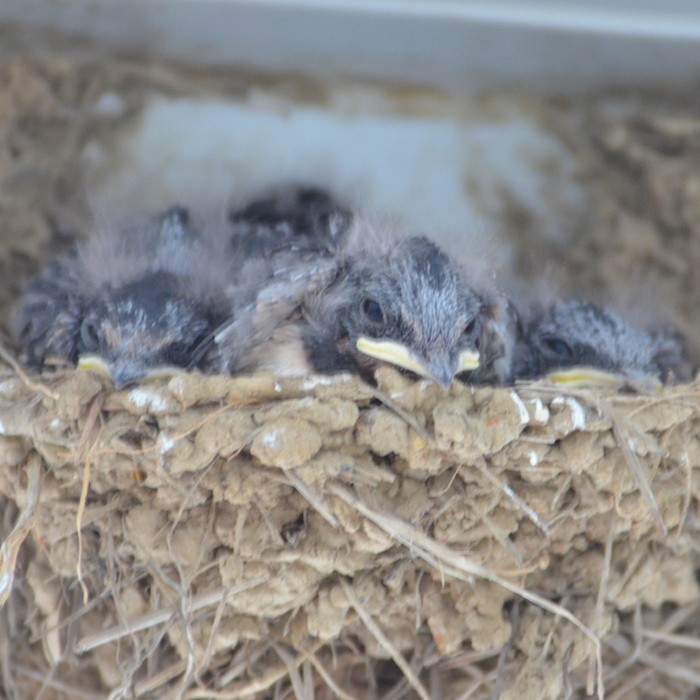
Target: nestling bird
[[398, 301], [127, 301], [406, 305], [290, 217], [285, 246], [577, 343]]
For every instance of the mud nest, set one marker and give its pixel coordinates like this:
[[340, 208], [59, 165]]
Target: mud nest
[[218, 537]]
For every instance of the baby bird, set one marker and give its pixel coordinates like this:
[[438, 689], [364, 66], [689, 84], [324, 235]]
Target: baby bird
[[290, 217], [351, 303], [284, 244], [577, 343], [405, 305], [127, 302]]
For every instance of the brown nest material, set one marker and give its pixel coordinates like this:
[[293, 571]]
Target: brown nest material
[[210, 537]]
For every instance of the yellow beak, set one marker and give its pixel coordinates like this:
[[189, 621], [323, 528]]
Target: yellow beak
[[121, 376], [94, 363], [468, 360], [400, 356], [586, 376]]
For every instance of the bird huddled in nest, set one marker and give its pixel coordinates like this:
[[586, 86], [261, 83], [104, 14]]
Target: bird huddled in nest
[[127, 302], [399, 302], [298, 283], [303, 219], [577, 343], [347, 299], [286, 245]]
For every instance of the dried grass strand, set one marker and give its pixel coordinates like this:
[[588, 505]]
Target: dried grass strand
[[39, 387], [384, 641], [93, 413], [157, 617], [451, 563], [9, 550]]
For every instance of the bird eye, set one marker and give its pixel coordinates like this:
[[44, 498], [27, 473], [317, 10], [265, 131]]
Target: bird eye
[[373, 311], [557, 347], [469, 328], [89, 336]]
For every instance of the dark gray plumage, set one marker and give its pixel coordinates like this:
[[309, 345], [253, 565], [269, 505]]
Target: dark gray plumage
[[294, 218], [576, 334], [286, 244], [137, 299], [362, 303], [406, 305]]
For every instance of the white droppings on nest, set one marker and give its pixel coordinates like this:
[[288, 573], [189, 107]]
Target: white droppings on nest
[[142, 398], [522, 408], [56, 423], [320, 380], [166, 443], [541, 412], [2, 428], [578, 415], [270, 439], [534, 459]]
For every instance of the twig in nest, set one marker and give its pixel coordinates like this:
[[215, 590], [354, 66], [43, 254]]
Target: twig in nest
[[623, 438], [675, 671], [157, 617], [512, 496], [259, 685], [674, 621], [405, 415], [676, 640], [603, 587], [94, 412], [451, 563], [152, 683], [24, 377], [497, 533], [335, 688], [292, 670], [11, 546], [312, 497], [384, 641]]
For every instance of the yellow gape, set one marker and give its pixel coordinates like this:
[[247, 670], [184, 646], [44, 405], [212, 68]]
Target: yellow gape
[[399, 355]]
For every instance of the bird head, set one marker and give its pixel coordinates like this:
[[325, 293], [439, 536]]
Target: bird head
[[576, 343], [141, 327], [411, 309], [292, 217]]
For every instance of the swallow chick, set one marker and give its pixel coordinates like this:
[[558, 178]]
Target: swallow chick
[[580, 344], [401, 303], [299, 219], [284, 244], [127, 303]]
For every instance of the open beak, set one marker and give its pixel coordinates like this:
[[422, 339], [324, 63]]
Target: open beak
[[440, 369]]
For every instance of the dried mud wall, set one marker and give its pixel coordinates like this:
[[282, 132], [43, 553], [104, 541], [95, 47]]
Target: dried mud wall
[[282, 521]]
